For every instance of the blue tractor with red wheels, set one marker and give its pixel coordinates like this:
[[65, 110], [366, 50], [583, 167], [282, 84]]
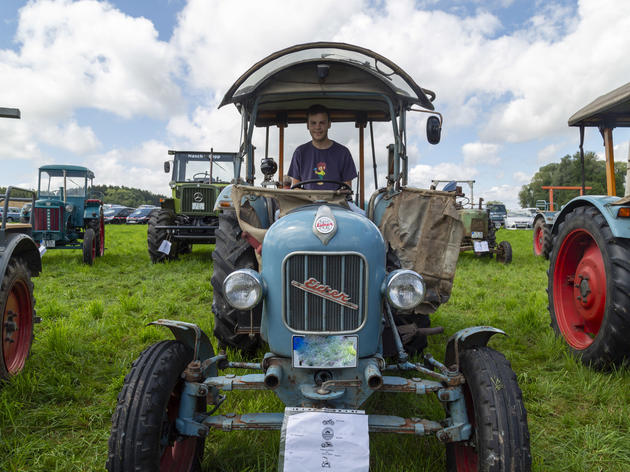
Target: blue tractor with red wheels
[[589, 272], [63, 216], [340, 296]]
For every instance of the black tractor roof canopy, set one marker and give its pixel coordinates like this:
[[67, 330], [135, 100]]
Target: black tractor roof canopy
[[610, 110], [350, 80]]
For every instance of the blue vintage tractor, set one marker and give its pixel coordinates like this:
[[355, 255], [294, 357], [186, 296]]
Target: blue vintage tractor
[[342, 294], [64, 217], [589, 274]]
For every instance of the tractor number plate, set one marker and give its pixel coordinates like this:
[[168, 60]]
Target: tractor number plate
[[476, 235], [324, 352], [198, 206], [49, 242]]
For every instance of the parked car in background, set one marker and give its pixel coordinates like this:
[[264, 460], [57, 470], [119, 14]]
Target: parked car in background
[[141, 215], [497, 212], [25, 213], [13, 214], [521, 219], [117, 214]]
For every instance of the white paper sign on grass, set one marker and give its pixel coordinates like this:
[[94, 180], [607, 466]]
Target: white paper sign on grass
[[480, 246], [322, 441]]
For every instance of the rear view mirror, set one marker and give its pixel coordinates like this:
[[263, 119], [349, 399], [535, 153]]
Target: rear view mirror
[[167, 167], [434, 129]]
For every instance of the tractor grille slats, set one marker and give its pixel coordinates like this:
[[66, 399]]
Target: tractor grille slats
[[479, 224], [46, 219], [324, 292], [188, 197]]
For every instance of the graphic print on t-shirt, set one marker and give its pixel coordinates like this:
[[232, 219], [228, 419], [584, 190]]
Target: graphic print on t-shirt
[[320, 170]]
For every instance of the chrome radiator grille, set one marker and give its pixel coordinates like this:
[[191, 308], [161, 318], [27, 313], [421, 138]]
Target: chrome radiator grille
[[46, 219], [198, 195], [324, 292]]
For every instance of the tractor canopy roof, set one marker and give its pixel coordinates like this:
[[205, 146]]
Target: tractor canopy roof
[[57, 170], [610, 110], [349, 80]]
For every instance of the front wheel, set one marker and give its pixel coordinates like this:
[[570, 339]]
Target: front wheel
[[144, 435], [17, 311], [542, 238], [161, 249], [500, 437], [98, 226], [589, 289], [89, 246], [504, 252]]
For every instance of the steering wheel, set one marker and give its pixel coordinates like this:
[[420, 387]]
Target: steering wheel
[[201, 175], [302, 183]]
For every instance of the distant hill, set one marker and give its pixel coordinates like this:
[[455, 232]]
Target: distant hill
[[127, 196]]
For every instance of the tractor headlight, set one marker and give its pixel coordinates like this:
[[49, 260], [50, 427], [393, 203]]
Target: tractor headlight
[[404, 289], [69, 207], [243, 289]]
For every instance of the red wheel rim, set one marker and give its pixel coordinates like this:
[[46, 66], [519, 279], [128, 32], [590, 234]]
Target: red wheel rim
[[101, 237], [466, 457], [17, 327], [579, 289], [539, 239], [180, 452]]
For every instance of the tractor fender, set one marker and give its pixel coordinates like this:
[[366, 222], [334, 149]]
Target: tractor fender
[[190, 335], [23, 246], [168, 204], [224, 200], [620, 227], [474, 336]]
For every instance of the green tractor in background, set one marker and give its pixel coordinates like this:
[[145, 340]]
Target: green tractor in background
[[190, 216], [479, 228]]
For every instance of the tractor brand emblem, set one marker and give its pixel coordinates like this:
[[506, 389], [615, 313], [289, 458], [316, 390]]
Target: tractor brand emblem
[[315, 287], [198, 197], [324, 225]]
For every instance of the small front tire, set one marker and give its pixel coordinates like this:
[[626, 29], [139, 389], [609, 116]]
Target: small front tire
[[89, 246], [504, 252], [500, 437], [144, 435]]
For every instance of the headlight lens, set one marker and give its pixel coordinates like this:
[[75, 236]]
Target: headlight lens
[[69, 207], [243, 289], [405, 289]]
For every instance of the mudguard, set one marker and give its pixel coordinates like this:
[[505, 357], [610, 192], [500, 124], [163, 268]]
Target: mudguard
[[190, 335], [20, 245], [467, 338], [620, 227]]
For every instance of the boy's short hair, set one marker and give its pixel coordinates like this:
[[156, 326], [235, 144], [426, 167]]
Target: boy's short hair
[[315, 109]]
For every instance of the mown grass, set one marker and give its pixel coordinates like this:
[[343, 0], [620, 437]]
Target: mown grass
[[55, 416]]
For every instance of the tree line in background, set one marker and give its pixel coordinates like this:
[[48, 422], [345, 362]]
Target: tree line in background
[[568, 172], [126, 196]]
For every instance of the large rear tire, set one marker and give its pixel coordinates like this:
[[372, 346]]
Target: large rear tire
[[18, 315], [144, 436], [542, 238], [589, 289], [231, 253], [156, 236], [500, 438]]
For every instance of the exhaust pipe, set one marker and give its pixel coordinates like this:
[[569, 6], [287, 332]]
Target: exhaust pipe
[[273, 376], [373, 376]]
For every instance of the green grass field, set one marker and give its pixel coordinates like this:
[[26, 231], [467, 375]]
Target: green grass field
[[56, 415]]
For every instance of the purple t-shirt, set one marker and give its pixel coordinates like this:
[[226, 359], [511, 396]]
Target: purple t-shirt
[[334, 163]]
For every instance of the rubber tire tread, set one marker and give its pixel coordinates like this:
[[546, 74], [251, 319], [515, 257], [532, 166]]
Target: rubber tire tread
[[506, 256], [231, 252], [546, 247], [16, 269], [501, 434], [89, 238], [611, 347], [156, 236], [96, 227], [134, 441]]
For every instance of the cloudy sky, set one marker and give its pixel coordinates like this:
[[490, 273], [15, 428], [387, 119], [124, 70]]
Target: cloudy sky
[[114, 85]]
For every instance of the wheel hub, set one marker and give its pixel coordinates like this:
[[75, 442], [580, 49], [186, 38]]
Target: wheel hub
[[10, 327], [589, 286]]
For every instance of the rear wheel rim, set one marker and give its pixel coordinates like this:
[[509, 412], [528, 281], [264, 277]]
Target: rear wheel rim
[[579, 287], [17, 322], [101, 237]]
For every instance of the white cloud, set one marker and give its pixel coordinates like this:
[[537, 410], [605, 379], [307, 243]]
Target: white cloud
[[481, 153], [549, 154], [521, 177], [422, 174]]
